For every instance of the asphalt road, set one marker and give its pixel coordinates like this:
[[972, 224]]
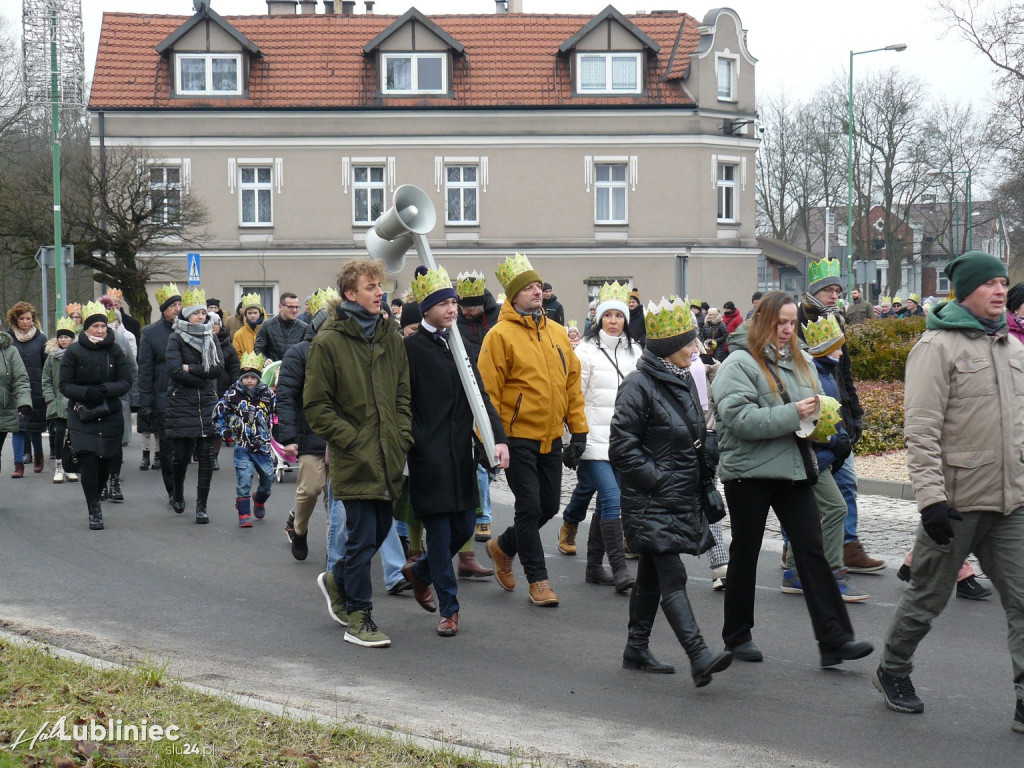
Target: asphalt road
[[231, 608]]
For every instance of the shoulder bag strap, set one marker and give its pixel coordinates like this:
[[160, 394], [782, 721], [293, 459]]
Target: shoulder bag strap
[[695, 434]]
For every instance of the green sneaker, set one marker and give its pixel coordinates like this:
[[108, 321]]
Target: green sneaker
[[335, 597], [362, 631]]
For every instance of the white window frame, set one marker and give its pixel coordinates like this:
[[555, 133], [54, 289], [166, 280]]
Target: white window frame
[[160, 216], [941, 282], [609, 87], [256, 187], [734, 74], [241, 288], [414, 62], [726, 192], [369, 186], [462, 186], [208, 57], [611, 186]]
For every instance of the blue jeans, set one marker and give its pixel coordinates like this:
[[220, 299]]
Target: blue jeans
[[445, 536], [484, 481], [245, 463], [20, 442], [594, 477], [392, 556], [846, 479]]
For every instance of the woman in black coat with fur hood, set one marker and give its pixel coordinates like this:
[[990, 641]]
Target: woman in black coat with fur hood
[[94, 375], [652, 445]]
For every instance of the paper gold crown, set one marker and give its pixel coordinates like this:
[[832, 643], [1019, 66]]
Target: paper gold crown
[[615, 292], [425, 285], [251, 361], [93, 308], [823, 336], [500, 298], [321, 299], [111, 315], [72, 308], [819, 270], [883, 300], [251, 300], [828, 419], [516, 273], [115, 293], [66, 324], [914, 297], [695, 303], [667, 319], [572, 324], [164, 292], [469, 285], [897, 300], [194, 297]]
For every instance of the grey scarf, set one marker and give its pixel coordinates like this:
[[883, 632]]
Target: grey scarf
[[809, 300], [202, 338], [366, 320], [675, 370]]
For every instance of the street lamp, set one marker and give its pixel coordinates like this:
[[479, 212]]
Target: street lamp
[[898, 47]]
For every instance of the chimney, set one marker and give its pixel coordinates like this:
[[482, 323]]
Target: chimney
[[369, 7], [348, 7], [307, 7], [500, 7], [515, 6], [281, 7], [328, 7]]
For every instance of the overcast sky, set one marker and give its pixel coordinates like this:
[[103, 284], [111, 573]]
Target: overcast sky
[[800, 44]]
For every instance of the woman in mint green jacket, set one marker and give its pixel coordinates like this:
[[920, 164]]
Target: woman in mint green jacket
[[761, 393]]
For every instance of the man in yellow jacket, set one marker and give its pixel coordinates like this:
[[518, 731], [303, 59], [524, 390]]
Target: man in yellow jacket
[[532, 377]]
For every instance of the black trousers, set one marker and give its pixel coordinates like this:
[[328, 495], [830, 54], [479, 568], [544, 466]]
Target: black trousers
[[535, 479], [166, 448], [183, 448], [660, 573], [794, 505], [93, 473]]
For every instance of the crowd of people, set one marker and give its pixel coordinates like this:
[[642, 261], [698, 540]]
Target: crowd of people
[[653, 409]]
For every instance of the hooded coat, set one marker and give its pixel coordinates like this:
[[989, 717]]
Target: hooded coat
[[92, 373], [605, 361], [652, 447], [56, 405], [15, 388], [554, 310], [245, 337], [33, 355]]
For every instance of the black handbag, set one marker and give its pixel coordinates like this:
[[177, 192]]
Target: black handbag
[[91, 413], [68, 458]]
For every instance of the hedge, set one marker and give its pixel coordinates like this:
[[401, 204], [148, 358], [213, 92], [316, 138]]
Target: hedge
[[878, 348], [882, 402]]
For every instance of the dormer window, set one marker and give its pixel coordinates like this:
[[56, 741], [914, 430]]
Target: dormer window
[[209, 74], [406, 73], [616, 73]]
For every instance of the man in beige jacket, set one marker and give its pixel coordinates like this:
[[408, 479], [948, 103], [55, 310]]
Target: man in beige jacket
[[964, 428]]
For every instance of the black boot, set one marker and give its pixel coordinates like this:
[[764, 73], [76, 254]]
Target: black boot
[[703, 663], [115, 489], [144, 466], [611, 533], [178, 490], [95, 516], [156, 460], [596, 573], [643, 607], [204, 454], [201, 517]]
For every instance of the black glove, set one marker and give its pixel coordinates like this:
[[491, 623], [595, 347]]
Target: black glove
[[841, 449], [855, 428], [936, 521], [94, 396], [23, 413], [571, 453]]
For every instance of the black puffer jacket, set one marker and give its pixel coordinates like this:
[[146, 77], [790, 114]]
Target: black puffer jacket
[[291, 421], [232, 365], [651, 445], [191, 394], [33, 355], [90, 374], [718, 333], [275, 336], [473, 331], [153, 366]]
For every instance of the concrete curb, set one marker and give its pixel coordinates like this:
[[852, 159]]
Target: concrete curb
[[890, 488]]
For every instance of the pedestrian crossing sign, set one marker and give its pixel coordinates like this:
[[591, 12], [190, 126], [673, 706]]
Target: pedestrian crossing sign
[[193, 269]]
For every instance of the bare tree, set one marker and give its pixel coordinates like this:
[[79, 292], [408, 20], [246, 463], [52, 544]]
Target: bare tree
[[12, 92]]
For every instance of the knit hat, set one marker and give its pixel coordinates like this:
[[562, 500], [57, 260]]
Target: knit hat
[[193, 300], [670, 326], [410, 314], [729, 305], [515, 274], [213, 303], [972, 269], [470, 289], [167, 295], [822, 274], [613, 296], [431, 286], [823, 336], [93, 312], [546, 287], [1015, 297]]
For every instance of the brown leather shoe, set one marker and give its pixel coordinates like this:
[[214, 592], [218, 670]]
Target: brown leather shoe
[[567, 538], [541, 593], [19, 469], [502, 566], [38, 463], [470, 568], [856, 559], [448, 625], [420, 590]]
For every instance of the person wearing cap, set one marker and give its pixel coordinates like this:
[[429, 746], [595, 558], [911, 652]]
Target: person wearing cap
[[732, 319], [552, 307], [276, 335], [356, 397], [1015, 311], [532, 376], [442, 467], [130, 401], [212, 307], [755, 299], [964, 429], [591, 316], [885, 308], [130, 324], [713, 333], [253, 315], [761, 395], [914, 306], [637, 330], [821, 300], [153, 381], [56, 405], [656, 435], [898, 310]]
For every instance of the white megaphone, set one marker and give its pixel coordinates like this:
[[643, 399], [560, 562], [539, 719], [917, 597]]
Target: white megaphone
[[391, 236]]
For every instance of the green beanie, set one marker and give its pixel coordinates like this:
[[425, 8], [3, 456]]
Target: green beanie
[[970, 270]]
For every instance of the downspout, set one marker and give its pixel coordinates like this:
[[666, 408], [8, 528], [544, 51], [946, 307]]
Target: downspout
[[682, 273]]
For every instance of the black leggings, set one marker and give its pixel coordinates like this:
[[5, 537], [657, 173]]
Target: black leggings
[[93, 473], [184, 447]]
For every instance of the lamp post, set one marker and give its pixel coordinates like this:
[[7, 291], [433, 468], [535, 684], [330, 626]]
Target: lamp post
[[849, 162], [970, 226]]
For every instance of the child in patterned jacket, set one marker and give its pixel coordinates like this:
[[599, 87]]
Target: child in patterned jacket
[[244, 417]]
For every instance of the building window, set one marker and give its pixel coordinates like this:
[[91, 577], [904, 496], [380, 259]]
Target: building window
[[257, 196], [462, 191], [414, 72], [726, 192], [608, 73], [942, 286], [367, 193], [266, 293], [726, 78], [209, 74], [165, 194], [610, 193]]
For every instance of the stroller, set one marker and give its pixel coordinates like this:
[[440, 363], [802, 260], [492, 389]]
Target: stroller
[[283, 463]]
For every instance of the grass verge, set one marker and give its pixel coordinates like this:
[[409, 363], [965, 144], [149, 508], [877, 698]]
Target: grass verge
[[52, 709]]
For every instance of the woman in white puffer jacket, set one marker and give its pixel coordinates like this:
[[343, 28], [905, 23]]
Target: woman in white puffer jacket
[[607, 355]]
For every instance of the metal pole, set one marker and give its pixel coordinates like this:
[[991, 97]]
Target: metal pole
[[970, 215], [46, 310], [58, 248], [849, 184], [956, 215]]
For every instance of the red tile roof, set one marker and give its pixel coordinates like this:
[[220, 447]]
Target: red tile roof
[[317, 62]]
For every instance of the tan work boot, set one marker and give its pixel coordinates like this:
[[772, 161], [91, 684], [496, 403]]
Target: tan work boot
[[502, 566], [567, 538], [856, 560], [483, 532], [541, 593]]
